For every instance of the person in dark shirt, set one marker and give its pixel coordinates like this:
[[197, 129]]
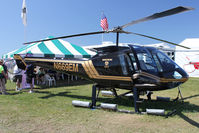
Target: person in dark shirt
[[29, 76]]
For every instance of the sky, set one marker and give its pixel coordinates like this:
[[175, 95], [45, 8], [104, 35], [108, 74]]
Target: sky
[[65, 17]]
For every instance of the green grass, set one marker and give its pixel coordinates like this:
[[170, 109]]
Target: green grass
[[51, 110]]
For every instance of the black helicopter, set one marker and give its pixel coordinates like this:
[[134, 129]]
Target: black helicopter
[[134, 68]]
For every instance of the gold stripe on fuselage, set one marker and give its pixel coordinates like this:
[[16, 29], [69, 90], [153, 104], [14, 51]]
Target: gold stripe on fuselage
[[86, 70], [163, 80], [95, 74], [93, 68], [91, 72], [54, 60], [150, 76], [18, 57]]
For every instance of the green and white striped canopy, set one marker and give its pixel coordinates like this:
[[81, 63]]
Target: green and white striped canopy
[[54, 48]]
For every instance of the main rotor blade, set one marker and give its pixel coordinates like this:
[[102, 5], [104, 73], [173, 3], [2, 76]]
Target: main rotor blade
[[157, 39], [75, 35], [172, 11]]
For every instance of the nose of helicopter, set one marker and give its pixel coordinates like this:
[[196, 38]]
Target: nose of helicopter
[[185, 76], [180, 77], [175, 78]]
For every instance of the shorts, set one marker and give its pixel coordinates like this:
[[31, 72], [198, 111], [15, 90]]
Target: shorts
[[29, 79], [17, 78]]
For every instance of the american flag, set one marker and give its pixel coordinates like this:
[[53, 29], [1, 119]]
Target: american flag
[[104, 22]]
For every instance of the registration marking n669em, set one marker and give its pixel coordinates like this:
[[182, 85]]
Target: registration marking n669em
[[72, 67]]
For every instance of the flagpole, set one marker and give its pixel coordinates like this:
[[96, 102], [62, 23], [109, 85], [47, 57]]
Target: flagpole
[[104, 24], [25, 35], [24, 18], [102, 30], [102, 37]]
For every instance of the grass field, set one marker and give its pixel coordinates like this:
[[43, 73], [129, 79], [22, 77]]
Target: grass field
[[50, 110]]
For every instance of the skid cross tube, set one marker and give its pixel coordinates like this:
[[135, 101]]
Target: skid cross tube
[[179, 93]]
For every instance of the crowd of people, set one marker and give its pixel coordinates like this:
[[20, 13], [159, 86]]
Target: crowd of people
[[32, 74], [17, 77], [29, 77]]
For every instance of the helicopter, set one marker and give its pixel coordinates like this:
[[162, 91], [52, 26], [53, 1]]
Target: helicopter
[[135, 68]]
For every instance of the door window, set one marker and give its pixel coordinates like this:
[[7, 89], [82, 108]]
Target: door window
[[123, 64], [132, 57]]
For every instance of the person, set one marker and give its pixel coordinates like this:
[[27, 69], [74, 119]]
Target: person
[[5, 69], [51, 73], [3, 78], [29, 76], [18, 77], [40, 75]]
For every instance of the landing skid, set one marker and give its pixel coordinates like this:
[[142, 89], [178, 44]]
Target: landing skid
[[136, 101], [114, 107]]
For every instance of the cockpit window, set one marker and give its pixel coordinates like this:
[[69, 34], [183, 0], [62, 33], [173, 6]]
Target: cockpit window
[[158, 63], [145, 59], [129, 63], [146, 62], [133, 60]]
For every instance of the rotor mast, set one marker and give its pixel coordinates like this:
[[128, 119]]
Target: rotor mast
[[117, 30], [117, 39]]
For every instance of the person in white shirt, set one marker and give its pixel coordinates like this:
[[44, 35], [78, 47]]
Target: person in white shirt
[[18, 77]]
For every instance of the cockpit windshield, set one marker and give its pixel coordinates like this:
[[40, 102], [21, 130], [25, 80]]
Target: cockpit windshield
[[169, 68], [154, 61], [164, 62]]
